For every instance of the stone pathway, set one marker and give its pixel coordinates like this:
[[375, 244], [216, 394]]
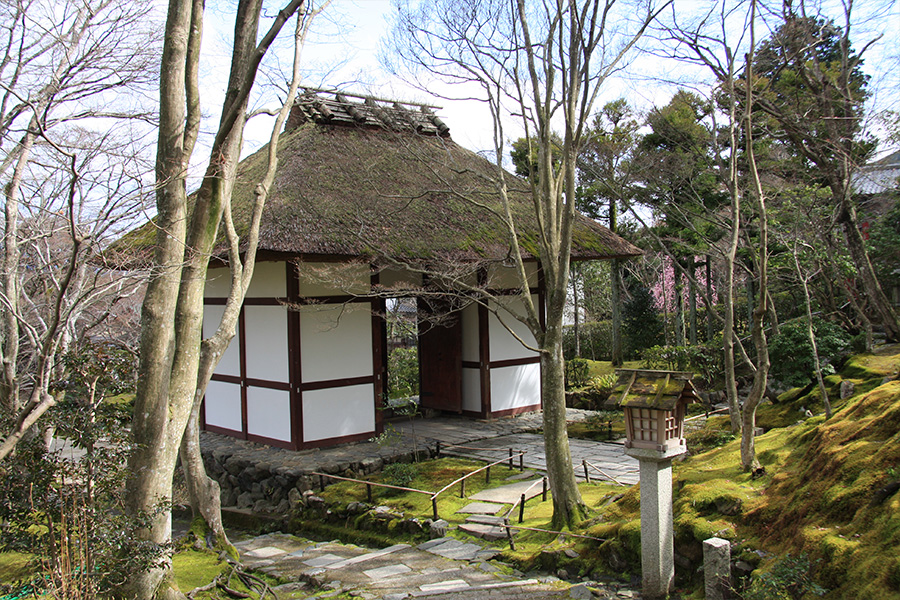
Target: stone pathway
[[607, 456], [443, 567]]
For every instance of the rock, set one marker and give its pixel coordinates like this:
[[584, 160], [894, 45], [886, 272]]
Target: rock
[[262, 506], [729, 506], [295, 498], [315, 502], [617, 562], [357, 508], [439, 528], [229, 497], [413, 526], [283, 507], [580, 592], [562, 573], [571, 553], [245, 500], [385, 513], [847, 388], [743, 569]]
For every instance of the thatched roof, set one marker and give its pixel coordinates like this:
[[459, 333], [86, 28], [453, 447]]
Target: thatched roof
[[663, 390], [388, 182]]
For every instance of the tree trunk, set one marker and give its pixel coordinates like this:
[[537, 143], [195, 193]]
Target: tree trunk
[[692, 306], [812, 336], [615, 296], [568, 508], [679, 307]]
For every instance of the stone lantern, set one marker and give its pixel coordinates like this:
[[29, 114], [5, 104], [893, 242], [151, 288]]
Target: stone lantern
[[654, 403]]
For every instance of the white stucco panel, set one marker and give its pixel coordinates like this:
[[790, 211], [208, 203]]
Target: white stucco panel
[[267, 346], [507, 278], [218, 283], [471, 389], [269, 280], [504, 346], [269, 413], [223, 405], [334, 279], [338, 412], [515, 387], [230, 364], [470, 333], [335, 341]]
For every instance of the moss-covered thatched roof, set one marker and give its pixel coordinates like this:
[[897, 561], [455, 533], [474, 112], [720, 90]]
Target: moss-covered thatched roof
[[360, 190], [662, 390]]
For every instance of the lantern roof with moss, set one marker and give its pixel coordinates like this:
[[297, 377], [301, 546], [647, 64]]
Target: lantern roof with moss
[[660, 390], [364, 177]]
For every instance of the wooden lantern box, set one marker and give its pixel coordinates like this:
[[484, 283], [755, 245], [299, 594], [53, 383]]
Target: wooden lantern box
[[654, 403]]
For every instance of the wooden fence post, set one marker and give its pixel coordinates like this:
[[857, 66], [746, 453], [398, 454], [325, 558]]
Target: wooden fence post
[[522, 509]]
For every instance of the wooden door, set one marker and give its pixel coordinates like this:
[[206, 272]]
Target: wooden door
[[440, 358]]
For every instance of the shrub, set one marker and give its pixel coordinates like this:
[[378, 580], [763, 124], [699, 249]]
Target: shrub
[[403, 373], [400, 474], [577, 371], [789, 578], [642, 326], [791, 353], [705, 360]]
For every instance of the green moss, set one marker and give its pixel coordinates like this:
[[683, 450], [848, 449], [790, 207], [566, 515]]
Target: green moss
[[195, 568], [16, 566]]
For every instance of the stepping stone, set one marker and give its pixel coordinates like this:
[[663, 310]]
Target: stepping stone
[[485, 520], [445, 586], [434, 542], [509, 494], [322, 561], [519, 476], [486, 532], [267, 552], [388, 571], [480, 508], [367, 556], [456, 550]]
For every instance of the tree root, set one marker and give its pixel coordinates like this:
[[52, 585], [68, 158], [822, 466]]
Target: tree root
[[255, 584]]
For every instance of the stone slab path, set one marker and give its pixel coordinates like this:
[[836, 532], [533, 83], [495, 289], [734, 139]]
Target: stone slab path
[[607, 456], [445, 568]]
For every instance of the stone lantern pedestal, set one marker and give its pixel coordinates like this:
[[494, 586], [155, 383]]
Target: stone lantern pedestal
[[657, 521]]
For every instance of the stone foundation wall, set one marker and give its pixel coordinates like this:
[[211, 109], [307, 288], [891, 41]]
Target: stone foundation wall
[[269, 480]]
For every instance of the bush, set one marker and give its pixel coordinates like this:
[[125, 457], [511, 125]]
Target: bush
[[400, 474], [705, 360], [642, 326], [789, 578], [596, 340], [403, 373], [577, 371], [791, 352]]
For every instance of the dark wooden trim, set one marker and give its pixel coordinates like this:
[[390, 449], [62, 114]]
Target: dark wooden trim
[[261, 439], [294, 365], [484, 359], [236, 379], [516, 411], [516, 362], [261, 301], [356, 437], [337, 383], [510, 291], [379, 352], [315, 300], [268, 384], [471, 364], [224, 431], [242, 345]]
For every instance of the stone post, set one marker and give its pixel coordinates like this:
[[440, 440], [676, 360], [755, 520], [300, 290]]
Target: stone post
[[717, 568], [657, 522]]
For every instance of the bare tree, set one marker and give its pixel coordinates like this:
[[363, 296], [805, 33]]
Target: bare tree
[[542, 66], [60, 63], [172, 314]]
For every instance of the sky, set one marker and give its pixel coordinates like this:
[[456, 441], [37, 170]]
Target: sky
[[342, 52]]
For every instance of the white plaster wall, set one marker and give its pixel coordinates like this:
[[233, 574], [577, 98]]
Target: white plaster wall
[[515, 387], [334, 279], [269, 413], [507, 278], [218, 283], [471, 389], [269, 280], [231, 358], [223, 405], [338, 412], [396, 278], [503, 345], [335, 341], [470, 333], [267, 346]]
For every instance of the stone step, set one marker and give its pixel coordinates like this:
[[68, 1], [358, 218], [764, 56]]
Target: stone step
[[490, 533], [485, 519]]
